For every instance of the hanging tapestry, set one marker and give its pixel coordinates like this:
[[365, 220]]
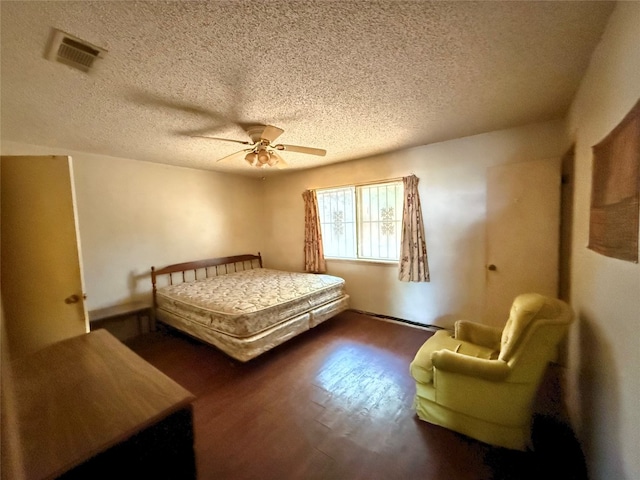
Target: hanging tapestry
[[615, 191]]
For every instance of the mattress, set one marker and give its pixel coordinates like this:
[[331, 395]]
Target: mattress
[[245, 303]]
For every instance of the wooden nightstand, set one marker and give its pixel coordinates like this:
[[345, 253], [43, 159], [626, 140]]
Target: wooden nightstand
[[138, 309]]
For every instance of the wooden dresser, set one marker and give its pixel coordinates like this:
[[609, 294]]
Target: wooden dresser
[[89, 407]]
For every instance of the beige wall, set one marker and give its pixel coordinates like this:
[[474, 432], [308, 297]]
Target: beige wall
[[453, 193], [133, 215], [136, 214], [605, 344]]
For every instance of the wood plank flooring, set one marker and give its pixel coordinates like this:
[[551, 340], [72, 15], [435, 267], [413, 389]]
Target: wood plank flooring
[[333, 403]]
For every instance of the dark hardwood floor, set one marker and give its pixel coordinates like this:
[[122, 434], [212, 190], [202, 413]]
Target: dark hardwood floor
[[335, 403]]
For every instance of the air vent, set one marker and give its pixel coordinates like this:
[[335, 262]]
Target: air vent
[[72, 51]]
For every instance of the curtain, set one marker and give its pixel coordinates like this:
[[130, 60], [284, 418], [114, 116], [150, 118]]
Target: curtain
[[313, 251], [413, 248]]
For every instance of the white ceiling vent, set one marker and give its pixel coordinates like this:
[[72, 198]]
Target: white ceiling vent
[[72, 51]]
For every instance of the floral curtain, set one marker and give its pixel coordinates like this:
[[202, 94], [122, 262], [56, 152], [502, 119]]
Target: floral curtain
[[413, 249], [313, 251]]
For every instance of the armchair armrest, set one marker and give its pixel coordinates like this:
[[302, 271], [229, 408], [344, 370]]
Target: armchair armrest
[[477, 333], [446, 360]]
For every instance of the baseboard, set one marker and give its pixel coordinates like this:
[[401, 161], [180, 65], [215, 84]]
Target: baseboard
[[387, 318]]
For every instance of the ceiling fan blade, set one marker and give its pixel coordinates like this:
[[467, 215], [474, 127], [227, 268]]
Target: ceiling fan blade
[[222, 139], [281, 163], [271, 133], [241, 154], [295, 148]]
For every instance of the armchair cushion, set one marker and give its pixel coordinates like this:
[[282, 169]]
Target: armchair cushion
[[448, 361], [478, 333], [525, 309], [422, 365]]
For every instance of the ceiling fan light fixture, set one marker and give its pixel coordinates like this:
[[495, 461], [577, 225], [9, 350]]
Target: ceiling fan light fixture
[[252, 158], [264, 157], [272, 160], [261, 152]]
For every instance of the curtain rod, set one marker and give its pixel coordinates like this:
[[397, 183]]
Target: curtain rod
[[361, 184]]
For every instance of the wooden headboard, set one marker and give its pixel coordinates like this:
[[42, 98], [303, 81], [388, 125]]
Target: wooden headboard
[[210, 267]]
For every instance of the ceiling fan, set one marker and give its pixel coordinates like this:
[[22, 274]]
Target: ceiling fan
[[262, 152]]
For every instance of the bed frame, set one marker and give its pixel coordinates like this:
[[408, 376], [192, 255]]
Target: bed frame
[[244, 348], [210, 266]]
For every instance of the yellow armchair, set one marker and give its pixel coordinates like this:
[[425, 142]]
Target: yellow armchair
[[482, 380]]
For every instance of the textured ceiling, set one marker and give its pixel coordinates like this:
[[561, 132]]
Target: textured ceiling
[[355, 78]]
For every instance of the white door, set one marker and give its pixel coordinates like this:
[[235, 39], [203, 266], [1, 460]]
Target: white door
[[42, 287], [523, 225]]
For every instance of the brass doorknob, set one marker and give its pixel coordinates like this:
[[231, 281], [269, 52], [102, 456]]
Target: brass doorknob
[[492, 267], [72, 299]]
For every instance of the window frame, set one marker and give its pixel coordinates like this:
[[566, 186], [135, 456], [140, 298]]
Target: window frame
[[356, 197]]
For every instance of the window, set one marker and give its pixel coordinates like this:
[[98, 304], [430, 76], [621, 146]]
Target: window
[[362, 221]]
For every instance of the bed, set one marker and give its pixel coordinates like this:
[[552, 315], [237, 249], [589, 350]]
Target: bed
[[236, 305]]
